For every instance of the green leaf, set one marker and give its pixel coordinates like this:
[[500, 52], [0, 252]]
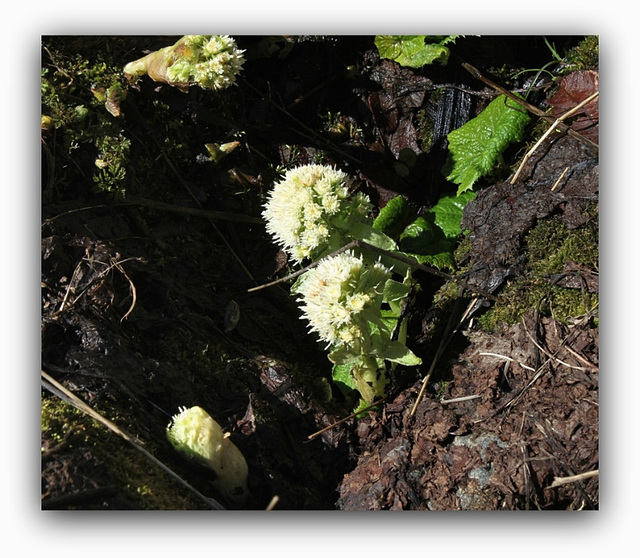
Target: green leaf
[[432, 238], [341, 375], [425, 242], [366, 233], [448, 213], [412, 51], [475, 147], [394, 351], [392, 217], [393, 291], [341, 356]]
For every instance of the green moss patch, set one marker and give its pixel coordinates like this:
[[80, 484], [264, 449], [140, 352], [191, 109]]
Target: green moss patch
[[551, 246]]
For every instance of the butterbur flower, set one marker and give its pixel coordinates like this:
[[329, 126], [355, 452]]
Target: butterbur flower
[[209, 61], [196, 436], [341, 296], [309, 211]]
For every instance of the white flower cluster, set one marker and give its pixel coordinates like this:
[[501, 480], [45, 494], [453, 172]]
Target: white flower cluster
[[338, 294], [309, 210], [211, 61]]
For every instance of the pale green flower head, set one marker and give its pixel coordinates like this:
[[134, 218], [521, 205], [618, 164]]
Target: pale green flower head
[[195, 435], [341, 296], [211, 61], [309, 211]]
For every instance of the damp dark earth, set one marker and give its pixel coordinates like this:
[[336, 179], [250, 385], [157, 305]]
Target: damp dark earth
[[155, 261]]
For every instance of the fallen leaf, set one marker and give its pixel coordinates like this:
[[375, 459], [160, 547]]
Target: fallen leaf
[[574, 89]]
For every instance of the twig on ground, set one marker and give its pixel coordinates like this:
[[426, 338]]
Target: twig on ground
[[509, 359], [544, 136], [460, 399], [327, 428], [559, 481], [51, 385], [446, 338], [555, 185], [531, 108]]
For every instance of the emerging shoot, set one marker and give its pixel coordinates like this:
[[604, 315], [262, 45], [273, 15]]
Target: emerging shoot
[[196, 436], [209, 61]]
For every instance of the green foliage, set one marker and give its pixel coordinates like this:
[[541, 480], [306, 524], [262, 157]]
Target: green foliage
[[432, 238], [111, 162], [475, 148], [392, 217], [415, 51], [79, 98], [447, 213]]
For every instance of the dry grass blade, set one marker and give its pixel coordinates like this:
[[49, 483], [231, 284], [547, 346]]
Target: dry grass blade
[[531, 108], [542, 368], [209, 213], [132, 289], [559, 481], [544, 136], [114, 264], [446, 338], [51, 385]]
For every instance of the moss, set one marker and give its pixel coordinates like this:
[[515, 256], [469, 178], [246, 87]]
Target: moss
[[585, 56], [80, 126], [550, 245]]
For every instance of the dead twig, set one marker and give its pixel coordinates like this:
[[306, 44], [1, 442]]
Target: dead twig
[[446, 338], [559, 481], [408, 261], [508, 359], [51, 385], [345, 419], [531, 108], [544, 136], [555, 185], [460, 399]]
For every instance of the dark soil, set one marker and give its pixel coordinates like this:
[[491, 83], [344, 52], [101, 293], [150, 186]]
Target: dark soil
[[141, 290]]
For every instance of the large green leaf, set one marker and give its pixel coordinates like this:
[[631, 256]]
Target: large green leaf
[[394, 351], [414, 51], [366, 233], [475, 147]]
